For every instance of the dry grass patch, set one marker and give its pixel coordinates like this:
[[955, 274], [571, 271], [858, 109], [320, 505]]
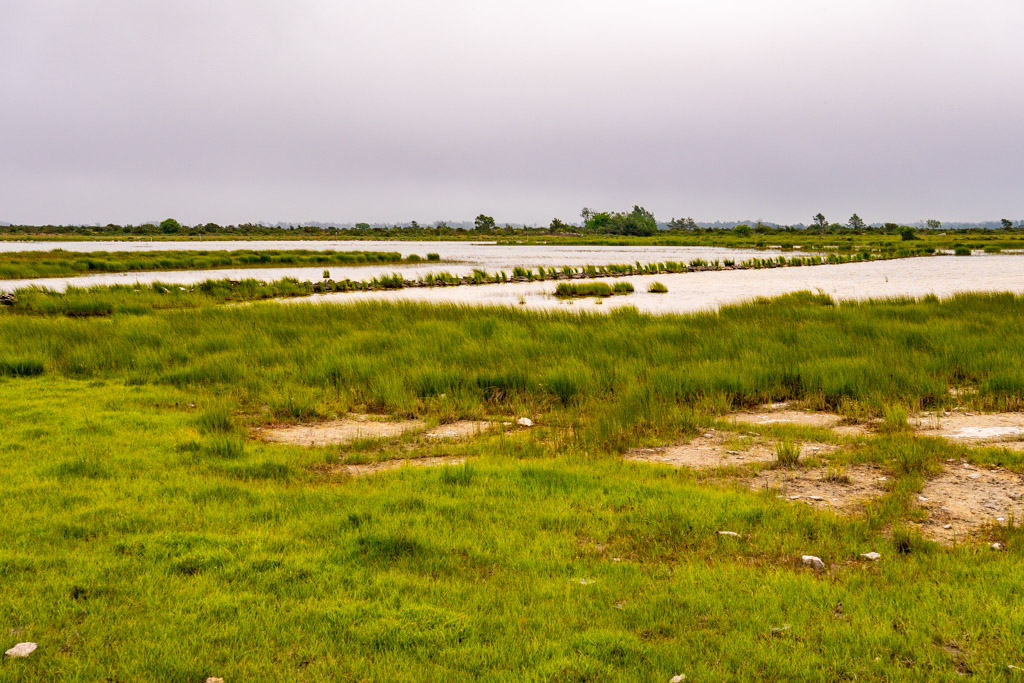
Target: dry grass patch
[[842, 490], [964, 499], [338, 432]]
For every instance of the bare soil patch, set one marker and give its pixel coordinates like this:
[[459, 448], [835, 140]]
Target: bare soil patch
[[336, 432], [965, 498], [783, 414], [389, 465], [841, 490], [463, 429], [1002, 429], [721, 449]]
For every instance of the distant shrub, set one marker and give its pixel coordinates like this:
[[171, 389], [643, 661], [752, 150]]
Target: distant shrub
[[657, 288], [433, 257], [20, 367], [962, 251]]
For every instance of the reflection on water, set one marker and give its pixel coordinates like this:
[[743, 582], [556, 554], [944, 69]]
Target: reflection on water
[[687, 292]]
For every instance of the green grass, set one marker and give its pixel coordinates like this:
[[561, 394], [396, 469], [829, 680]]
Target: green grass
[[573, 290], [59, 263], [146, 537], [657, 288]]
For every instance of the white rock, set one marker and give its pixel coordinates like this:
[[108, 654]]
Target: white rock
[[922, 499], [677, 679], [728, 533], [524, 422], [947, 526], [873, 556], [22, 650], [974, 476], [214, 679], [815, 497], [1000, 519], [996, 546], [794, 497], [812, 561]]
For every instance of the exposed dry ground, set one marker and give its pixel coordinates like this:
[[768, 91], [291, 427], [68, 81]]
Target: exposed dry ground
[[843, 489], [785, 414], [974, 429], [721, 449], [355, 427], [388, 465], [964, 498]]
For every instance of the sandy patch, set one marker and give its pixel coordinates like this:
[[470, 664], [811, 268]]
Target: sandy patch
[[1002, 429], [783, 414], [388, 465], [463, 429], [336, 432], [846, 490], [965, 498], [720, 449]]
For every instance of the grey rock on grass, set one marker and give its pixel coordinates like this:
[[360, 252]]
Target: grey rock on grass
[[813, 561], [22, 650]]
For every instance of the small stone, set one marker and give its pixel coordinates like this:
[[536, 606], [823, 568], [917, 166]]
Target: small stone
[[996, 546], [616, 559], [922, 499], [947, 526], [883, 479], [974, 476], [794, 497], [1000, 519], [22, 650], [678, 678], [728, 533], [524, 422], [733, 452], [815, 497], [214, 679], [813, 561], [873, 556], [708, 435], [944, 508]]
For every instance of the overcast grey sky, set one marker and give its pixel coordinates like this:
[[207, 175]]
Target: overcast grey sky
[[390, 110]]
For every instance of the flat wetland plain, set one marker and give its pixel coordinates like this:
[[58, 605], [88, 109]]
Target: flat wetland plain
[[172, 508]]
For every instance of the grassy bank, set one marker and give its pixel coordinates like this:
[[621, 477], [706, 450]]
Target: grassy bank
[[146, 537], [59, 263]]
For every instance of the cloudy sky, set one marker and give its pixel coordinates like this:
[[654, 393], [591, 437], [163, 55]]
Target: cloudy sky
[[389, 110]]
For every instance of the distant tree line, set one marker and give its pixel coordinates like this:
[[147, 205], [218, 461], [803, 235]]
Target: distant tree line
[[638, 222]]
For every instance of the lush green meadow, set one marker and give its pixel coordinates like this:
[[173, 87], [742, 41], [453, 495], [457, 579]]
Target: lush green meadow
[[148, 537]]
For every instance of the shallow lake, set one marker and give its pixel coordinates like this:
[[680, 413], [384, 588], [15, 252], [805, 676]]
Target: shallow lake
[[460, 258], [688, 292]]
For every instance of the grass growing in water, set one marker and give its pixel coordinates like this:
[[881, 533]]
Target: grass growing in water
[[573, 290], [657, 288]]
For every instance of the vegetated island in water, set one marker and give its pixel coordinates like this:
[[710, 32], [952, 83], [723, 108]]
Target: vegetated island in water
[[18, 265]]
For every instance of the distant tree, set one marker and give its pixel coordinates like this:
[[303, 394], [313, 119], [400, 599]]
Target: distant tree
[[1007, 223], [743, 230], [639, 221], [169, 226], [907, 233], [762, 229], [933, 224], [212, 227], [362, 226], [586, 214], [484, 223], [557, 226], [820, 221], [682, 224], [855, 222]]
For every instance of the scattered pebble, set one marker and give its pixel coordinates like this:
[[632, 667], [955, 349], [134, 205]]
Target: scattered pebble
[[678, 678], [812, 561], [794, 497], [524, 422], [733, 452], [213, 679], [873, 556], [975, 475], [996, 546], [22, 650], [1000, 519], [616, 559], [708, 435], [815, 497], [728, 533], [780, 629], [922, 499], [947, 526]]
